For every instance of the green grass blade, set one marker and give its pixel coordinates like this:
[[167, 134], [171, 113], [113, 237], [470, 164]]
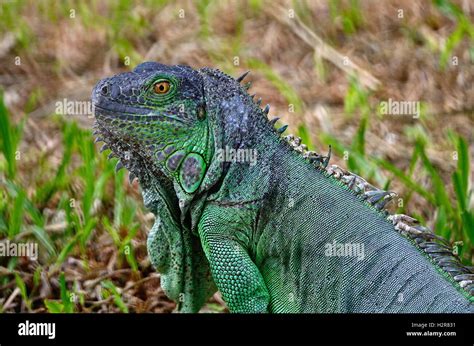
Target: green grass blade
[[441, 195], [65, 295], [44, 239], [409, 182], [23, 291], [117, 297], [16, 213], [53, 307], [8, 145]]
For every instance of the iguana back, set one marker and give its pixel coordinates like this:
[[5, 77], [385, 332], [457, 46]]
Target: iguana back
[[299, 234]]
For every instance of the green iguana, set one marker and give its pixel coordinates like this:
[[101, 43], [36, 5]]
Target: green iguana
[[242, 209]]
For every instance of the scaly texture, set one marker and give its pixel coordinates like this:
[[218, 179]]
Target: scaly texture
[[261, 229]]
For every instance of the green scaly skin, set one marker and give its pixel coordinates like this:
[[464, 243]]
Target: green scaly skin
[[258, 232]]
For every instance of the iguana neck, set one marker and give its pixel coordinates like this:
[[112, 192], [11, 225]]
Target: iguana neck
[[236, 123]]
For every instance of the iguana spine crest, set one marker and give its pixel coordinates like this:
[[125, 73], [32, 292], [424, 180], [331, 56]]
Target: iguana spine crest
[[434, 246]]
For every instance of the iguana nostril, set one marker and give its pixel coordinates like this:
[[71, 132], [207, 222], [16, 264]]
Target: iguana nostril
[[104, 90]]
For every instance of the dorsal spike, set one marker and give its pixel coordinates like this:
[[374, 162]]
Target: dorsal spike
[[282, 129], [98, 139], [110, 155], [118, 166], [326, 159], [370, 195], [247, 85], [259, 101], [131, 177], [385, 200], [266, 109], [104, 147], [252, 96], [242, 76], [375, 196], [273, 121]]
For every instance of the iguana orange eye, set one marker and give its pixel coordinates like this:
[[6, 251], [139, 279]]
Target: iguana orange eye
[[162, 87]]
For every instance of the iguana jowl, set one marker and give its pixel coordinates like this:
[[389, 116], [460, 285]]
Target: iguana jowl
[[259, 232]]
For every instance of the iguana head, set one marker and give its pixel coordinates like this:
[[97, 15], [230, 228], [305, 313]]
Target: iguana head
[[170, 120], [156, 115]]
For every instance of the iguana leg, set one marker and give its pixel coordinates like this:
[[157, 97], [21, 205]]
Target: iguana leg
[[234, 273]]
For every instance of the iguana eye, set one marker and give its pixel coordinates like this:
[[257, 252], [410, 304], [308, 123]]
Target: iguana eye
[[162, 87]]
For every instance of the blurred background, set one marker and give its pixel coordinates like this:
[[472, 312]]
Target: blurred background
[[328, 69]]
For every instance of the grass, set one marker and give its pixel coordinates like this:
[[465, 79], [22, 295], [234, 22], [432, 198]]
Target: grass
[[351, 16], [11, 136], [90, 224], [295, 104], [463, 28]]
